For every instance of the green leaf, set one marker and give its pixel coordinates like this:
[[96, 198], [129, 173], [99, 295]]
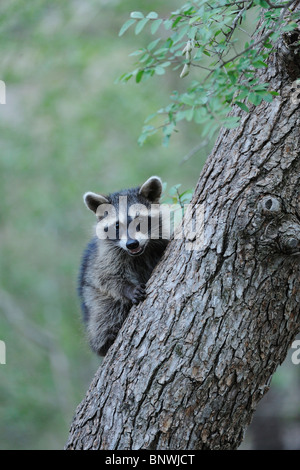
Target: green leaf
[[189, 114], [140, 25], [125, 77], [155, 25], [169, 128], [233, 76], [262, 3], [242, 106], [186, 196], [188, 99], [194, 19], [215, 104], [151, 116], [166, 140], [268, 45], [267, 97], [192, 32], [161, 52], [138, 52], [146, 58], [180, 115], [136, 15], [159, 70], [275, 35], [259, 64], [176, 21], [152, 15], [168, 24], [200, 115], [243, 94], [147, 131], [173, 190], [254, 99], [231, 122], [209, 127], [139, 75], [153, 44], [142, 138], [126, 25], [290, 27], [261, 87], [182, 32]]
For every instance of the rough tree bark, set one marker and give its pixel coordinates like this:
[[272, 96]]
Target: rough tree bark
[[191, 362]]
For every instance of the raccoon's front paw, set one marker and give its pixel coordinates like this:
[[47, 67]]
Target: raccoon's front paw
[[136, 294], [139, 294]]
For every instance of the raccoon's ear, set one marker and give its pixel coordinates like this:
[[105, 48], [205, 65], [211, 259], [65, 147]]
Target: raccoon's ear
[[152, 189], [93, 201]]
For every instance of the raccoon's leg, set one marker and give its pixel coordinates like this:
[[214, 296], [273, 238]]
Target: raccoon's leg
[[135, 293], [104, 323], [122, 289]]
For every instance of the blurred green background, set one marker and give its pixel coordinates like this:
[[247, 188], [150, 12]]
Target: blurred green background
[[67, 128]]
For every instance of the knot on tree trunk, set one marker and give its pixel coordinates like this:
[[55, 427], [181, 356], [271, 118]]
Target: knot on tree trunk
[[274, 227], [289, 52]]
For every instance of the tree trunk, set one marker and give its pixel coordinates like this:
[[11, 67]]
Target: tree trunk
[[191, 363]]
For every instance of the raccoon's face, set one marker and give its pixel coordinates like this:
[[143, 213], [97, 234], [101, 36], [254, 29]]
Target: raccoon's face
[[127, 219], [130, 233]]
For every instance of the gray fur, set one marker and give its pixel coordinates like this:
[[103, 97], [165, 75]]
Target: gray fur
[[112, 278]]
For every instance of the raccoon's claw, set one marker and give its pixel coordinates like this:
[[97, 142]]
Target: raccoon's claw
[[135, 293], [138, 294]]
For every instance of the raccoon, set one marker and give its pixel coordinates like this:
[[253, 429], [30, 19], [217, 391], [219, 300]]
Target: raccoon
[[119, 259]]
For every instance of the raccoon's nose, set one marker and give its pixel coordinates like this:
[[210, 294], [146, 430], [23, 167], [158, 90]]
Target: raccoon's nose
[[132, 244]]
